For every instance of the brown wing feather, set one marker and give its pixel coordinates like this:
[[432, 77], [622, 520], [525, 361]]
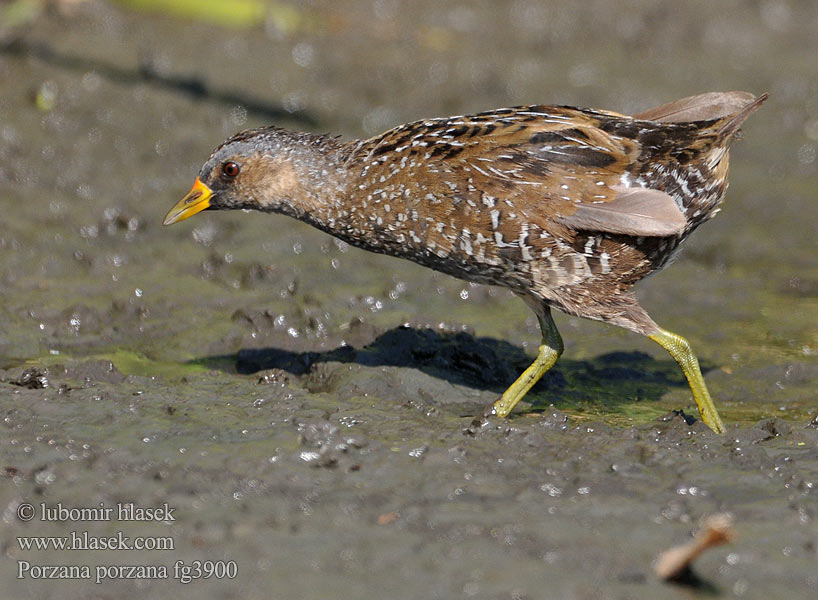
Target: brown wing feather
[[528, 164], [634, 211]]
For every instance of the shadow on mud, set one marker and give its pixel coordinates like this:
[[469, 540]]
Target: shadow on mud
[[479, 363]]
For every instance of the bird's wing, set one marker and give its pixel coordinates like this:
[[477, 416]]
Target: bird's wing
[[634, 211], [551, 165]]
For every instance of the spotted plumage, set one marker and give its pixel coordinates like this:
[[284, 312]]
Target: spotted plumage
[[567, 207]]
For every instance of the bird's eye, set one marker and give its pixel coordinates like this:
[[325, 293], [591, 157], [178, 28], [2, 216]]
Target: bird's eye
[[230, 169]]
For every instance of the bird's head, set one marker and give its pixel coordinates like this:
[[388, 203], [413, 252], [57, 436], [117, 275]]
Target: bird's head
[[262, 169]]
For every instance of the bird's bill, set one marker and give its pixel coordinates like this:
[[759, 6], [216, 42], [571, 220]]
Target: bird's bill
[[196, 200]]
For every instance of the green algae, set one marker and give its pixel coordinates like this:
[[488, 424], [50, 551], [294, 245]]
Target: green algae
[[126, 362]]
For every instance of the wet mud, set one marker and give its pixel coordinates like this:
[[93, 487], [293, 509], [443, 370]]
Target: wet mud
[[307, 407]]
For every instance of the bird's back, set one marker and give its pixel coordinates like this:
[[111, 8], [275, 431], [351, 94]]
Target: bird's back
[[544, 196]]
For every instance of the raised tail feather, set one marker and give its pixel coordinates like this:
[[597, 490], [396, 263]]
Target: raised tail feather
[[728, 109], [703, 107], [729, 126]]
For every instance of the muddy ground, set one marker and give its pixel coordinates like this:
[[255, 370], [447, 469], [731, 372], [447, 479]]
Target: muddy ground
[[303, 406]]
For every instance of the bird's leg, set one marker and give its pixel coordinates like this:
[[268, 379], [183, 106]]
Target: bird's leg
[[548, 353], [679, 349]]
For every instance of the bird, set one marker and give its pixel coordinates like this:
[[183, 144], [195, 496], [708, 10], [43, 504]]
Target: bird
[[567, 207]]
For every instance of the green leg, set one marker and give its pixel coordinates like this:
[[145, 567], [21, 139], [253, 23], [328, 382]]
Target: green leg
[[679, 349], [547, 355]]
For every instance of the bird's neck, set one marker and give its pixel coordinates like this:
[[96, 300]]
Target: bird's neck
[[318, 186], [310, 180]]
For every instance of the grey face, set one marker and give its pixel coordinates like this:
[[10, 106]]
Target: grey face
[[225, 173], [240, 171]]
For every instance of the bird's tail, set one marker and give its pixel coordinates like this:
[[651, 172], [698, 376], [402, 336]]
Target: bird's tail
[[728, 126], [726, 110]]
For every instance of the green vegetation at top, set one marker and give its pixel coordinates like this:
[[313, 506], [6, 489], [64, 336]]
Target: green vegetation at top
[[234, 13]]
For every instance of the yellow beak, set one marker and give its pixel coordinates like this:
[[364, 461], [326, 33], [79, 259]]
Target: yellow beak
[[196, 200]]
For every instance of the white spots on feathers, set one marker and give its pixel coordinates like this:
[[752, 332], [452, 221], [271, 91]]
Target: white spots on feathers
[[604, 263], [465, 242], [525, 250], [495, 219]]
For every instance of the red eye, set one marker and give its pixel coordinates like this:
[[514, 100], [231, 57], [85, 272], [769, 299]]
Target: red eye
[[230, 169]]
